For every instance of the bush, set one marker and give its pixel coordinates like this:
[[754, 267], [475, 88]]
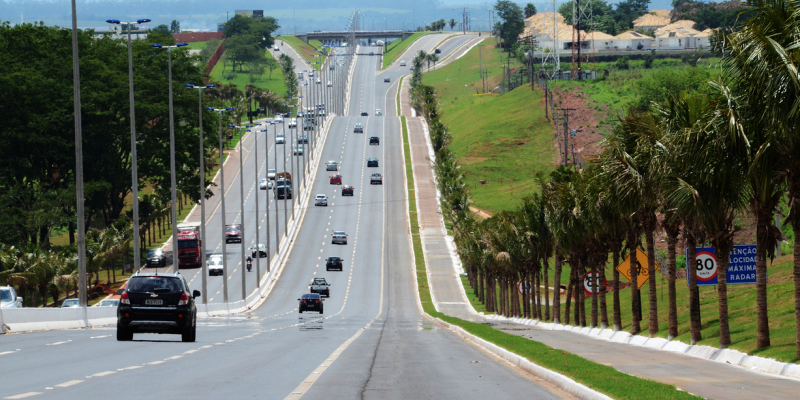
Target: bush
[[667, 82], [622, 63], [690, 59], [648, 59]]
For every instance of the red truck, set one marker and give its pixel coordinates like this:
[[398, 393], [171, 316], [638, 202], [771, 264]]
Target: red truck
[[189, 249]]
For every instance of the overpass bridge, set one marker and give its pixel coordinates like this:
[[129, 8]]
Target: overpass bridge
[[335, 37]]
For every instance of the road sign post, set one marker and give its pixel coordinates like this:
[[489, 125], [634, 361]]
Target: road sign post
[[641, 268], [741, 267], [588, 282]]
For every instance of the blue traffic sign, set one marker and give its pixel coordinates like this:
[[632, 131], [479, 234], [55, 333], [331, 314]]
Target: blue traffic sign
[[741, 268]]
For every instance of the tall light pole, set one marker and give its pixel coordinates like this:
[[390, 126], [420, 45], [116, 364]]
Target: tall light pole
[[275, 192], [175, 257], [76, 79], [137, 253], [258, 238], [266, 212], [222, 200], [241, 205], [203, 266]]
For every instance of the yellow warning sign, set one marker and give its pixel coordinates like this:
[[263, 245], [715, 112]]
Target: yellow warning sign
[[642, 273]]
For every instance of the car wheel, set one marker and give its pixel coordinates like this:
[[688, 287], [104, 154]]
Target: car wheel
[[301, 311], [124, 335], [320, 310], [189, 335]]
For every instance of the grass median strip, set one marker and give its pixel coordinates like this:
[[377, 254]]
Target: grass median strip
[[399, 89], [396, 48], [599, 377]]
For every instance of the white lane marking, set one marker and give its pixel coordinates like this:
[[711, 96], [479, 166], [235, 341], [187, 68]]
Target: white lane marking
[[104, 373], [99, 337], [58, 343], [9, 352], [69, 383], [156, 362], [130, 368], [23, 395]]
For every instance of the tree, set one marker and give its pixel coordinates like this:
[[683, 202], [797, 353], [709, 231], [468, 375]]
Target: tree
[[208, 51], [271, 65], [512, 22], [530, 10], [628, 10], [175, 26], [242, 49], [453, 23], [161, 30]]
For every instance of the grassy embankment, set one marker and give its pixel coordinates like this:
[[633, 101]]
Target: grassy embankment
[[197, 45], [272, 82], [602, 378], [500, 140], [396, 48], [306, 50]]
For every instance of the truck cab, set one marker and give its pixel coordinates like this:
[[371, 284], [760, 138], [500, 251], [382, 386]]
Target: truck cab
[[189, 245]]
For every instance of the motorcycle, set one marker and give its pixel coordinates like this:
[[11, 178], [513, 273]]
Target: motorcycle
[[249, 264]]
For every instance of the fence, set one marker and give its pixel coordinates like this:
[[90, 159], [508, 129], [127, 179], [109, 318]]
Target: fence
[[213, 60], [188, 37]]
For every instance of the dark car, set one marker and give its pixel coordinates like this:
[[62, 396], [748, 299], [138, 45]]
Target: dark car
[[157, 303], [372, 162], [310, 302], [364, 114], [333, 263], [347, 190], [387, 80], [336, 179], [376, 179], [308, 125], [375, 140], [437, 51], [156, 258], [233, 233]]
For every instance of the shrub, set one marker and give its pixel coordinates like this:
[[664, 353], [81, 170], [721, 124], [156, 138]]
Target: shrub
[[667, 82], [648, 59], [622, 63]]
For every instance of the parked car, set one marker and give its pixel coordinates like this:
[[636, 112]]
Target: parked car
[[376, 179], [339, 237], [358, 128], [332, 166], [310, 302], [347, 190], [8, 298], [233, 233], [320, 286], [334, 263], [321, 200], [372, 162], [157, 303], [156, 258], [280, 139], [70, 303], [336, 179], [374, 140], [262, 251], [108, 303], [387, 80]]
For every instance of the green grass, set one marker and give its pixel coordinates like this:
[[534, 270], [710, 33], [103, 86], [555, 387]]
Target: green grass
[[399, 88], [396, 48], [306, 50], [197, 45], [242, 79], [602, 378], [502, 140]]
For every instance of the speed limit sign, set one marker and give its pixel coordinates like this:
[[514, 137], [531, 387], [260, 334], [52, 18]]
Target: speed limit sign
[[706, 266], [589, 280]]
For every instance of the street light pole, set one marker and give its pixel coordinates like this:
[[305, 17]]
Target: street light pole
[[222, 200], [76, 79], [275, 193], [137, 253], [175, 257], [241, 208]]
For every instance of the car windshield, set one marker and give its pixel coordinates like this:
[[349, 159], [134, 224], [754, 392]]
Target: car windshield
[[149, 284], [5, 295], [154, 253], [338, 233], [215, 262], [187, 244], [108, 303], [231, 229], [271, 171], [70, 302], [310, 296]]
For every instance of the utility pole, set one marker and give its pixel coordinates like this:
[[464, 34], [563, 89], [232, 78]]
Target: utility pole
[[565, 112]]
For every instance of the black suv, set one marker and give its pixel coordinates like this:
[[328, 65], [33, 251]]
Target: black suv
[[156, 258], [364, 114], [374, 140], [157, 303], [310, 302], [333, 263], [372, 162], [387, 80]]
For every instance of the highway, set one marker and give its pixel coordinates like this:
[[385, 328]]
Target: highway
[[372, 340]]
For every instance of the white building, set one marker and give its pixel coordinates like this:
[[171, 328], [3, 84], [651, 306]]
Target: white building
[[631, 40]]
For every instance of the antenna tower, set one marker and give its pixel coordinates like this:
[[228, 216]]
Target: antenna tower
[[551, 61], [582, 48]]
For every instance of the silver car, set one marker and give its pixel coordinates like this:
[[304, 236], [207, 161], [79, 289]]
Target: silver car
[[271, 173], [321, 200], [331, 166], [339, 237], [265, 184], [108, 303], [298, 150], [71, 303], [8, 298], [280, 139]]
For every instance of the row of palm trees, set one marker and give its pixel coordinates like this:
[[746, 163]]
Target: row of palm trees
[[690, 165], [38, 273]]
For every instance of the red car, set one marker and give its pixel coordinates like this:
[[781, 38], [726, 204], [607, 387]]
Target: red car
[[347, 190], [336, 179]]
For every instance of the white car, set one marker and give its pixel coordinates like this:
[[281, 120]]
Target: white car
[[378, 112], [321, 200], [280, 139], [339, 237], [8, 298], [215, 266], [71, 303], [331, 166], [319, 80], [298, 150], [278, 119], [402, 63], [265, 184], [330, 84], [293, 123], [108, 303], [271, 173]]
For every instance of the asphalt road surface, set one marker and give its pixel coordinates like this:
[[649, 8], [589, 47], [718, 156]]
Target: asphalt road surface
[[372, 340]]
